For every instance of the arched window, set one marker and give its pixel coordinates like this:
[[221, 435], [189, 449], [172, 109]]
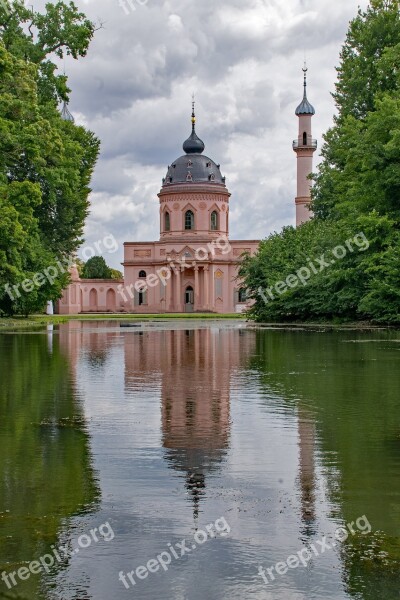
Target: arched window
[[111, 300], [189, 295], [189, 220], [305, 138], [167, 222], [93, 299], [142, 298], [142, 274], [214, 221]]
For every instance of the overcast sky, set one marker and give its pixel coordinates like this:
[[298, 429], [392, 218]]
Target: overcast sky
[[243, 60]]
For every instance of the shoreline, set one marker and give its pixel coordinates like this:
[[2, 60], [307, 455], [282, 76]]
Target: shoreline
[[326, 326], [15, 323]]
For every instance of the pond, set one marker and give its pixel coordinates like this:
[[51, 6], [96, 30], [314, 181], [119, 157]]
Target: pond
[[199, 461]]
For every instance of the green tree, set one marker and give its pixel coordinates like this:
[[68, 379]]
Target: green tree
[[115, 274], [368, 82], [370, 34], [356, 190], [35, 37], [96, 268], [45, 163], [45, 455]]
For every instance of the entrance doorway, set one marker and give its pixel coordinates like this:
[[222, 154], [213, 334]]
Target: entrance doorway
[[189, 299]]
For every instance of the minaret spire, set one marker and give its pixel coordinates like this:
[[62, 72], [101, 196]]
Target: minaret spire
[[65, 113], [305, 69]]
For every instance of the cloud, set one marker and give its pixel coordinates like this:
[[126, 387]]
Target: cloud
[[244, 62]]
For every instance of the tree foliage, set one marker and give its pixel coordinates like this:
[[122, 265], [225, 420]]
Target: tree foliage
[[96, 268], [357, 189], [34, 37], [46, 444], [45, 163]]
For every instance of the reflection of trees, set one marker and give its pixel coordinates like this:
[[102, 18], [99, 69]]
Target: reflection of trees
[[96, 357], [348, 392], [96, 344], [46, 473]]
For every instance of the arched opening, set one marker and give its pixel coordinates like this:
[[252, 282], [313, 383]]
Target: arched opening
[[142, 274], [141, 296], [189, 220], [305, 138], [111, 302], [214, 221], [93, 300], [167, 222], [242, 295], [189, 299]]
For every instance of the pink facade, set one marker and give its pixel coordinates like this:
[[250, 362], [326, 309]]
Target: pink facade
[[193, 268], [186, 276], [194, 265], [91, 296]]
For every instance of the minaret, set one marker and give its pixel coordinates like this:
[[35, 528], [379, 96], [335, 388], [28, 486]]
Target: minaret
[[304, 147]]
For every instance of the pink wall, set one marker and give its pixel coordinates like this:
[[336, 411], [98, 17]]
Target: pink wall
[[91, 295], [305, 155]]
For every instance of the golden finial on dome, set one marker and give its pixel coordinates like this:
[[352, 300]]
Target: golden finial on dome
[[193, 110]]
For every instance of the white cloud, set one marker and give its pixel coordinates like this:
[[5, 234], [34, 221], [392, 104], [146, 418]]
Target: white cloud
[[244, 62]]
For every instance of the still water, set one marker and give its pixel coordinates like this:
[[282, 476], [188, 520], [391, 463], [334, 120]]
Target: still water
[[216, 447]]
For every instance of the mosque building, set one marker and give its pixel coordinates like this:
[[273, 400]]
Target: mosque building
[[194, 265]]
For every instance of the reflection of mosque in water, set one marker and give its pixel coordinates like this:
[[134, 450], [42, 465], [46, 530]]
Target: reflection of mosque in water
[[307, 477], [196, 368]]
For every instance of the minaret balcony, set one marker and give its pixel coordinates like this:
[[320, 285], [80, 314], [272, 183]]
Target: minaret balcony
[[303, 143]]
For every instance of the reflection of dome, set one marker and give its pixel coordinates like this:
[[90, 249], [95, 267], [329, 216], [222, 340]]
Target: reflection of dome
[[196, 463], [193, 460]]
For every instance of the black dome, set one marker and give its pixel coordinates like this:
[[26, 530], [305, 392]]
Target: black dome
[[194, 168], [193, 145], [305, 108]]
